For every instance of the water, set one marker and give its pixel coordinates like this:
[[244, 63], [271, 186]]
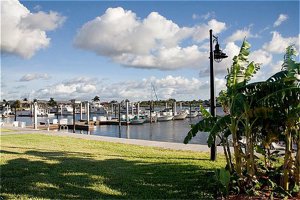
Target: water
[[170, 131]]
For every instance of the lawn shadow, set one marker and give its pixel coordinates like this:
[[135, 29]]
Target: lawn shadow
[[63, 175]]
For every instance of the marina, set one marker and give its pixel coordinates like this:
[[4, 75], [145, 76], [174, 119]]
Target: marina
[[166, 131]]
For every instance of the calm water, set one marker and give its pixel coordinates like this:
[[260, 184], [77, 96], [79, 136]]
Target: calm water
[[170, 131]]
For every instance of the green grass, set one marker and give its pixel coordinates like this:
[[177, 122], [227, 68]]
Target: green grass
[[52, 167], [3, 130]]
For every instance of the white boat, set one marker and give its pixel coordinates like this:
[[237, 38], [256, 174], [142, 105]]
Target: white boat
[[66, 110], [6, 111], [165, 115], [137, 121], [192, 114], [41, 112], [164, 118], [182, 115], [97, 108]]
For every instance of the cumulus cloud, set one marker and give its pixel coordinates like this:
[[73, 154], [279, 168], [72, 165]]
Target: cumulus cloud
[[239, 35], [278, 44], [24, 33], [178, 87], [35, 76], [152, 42], [260, 56], [231, 50], [281, 18]]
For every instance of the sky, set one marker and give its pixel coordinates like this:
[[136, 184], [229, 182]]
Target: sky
[[123, 49]]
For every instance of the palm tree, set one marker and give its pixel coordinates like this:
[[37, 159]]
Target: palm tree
[[96, 98], [16, 105], [52, 102]]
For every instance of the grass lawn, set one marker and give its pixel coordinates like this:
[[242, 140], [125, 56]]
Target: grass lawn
[[3, 130], [53, 167]]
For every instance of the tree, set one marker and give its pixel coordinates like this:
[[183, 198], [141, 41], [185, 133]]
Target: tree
[[25, 99], [96, 98], [52, 102], [16, 105]]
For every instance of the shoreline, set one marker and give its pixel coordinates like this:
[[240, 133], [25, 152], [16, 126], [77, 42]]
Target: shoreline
[[148, 143]]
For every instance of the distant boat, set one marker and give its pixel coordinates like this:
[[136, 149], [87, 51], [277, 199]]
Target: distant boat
[[137, 121], [97, 108], [164, 118], [165, 115], [192, 114], [182, 115]]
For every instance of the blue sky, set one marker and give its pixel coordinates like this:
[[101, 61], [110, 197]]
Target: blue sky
[[62, 50]]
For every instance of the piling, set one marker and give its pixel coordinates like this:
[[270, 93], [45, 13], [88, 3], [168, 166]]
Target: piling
[[180, 105], [88, 111], [127, 111], [80, 111], [57, 112], [119, 106], [138, 110], [61, 109], [175, 112], [35, 115], [150, 112], [74, 107]]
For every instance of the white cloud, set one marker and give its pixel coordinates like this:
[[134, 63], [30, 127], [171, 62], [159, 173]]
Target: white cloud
[[42, 21], [231, 50], [201, 32], [22, 32], [153, 42], [35, 76], [281, 18], [260, 56], [239, 35], [178, 87], [205, 16], [278, 44]]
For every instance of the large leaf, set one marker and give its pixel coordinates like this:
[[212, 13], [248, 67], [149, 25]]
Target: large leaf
[[204, 112], [204, 125], [221, 125]]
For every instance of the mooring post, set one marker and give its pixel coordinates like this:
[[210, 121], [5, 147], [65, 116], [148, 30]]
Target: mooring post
[[61, 109], [175, 111], [127, 111], [88, 112], [150, 112], [190, 110], [74, 116], [80, 111], [166, 104], [115, 107], [119, 108], [138, 110], [180, 105], [57, 111], [35, 115]]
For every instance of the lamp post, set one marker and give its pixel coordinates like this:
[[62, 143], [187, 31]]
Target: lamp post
[[216, 55]]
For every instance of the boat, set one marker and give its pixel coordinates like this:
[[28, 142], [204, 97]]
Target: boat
[[137, 121], [182, 115], [193, 114], [165, 115], [164, 118], [97, 108], [66, 110]]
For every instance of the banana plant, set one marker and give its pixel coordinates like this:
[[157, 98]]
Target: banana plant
[[238, 76]]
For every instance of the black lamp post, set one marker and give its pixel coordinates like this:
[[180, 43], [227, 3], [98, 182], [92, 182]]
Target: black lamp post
[[216, 55]]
